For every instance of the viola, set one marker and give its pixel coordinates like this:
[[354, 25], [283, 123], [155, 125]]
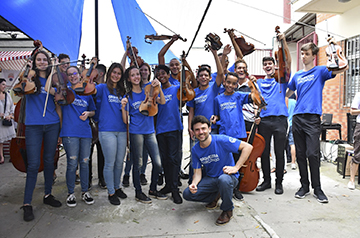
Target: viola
[[282, 74], [185, 92], [150, 38], [213, 40], [86, 86], [63, 95], [250, 172], [336, 58], [149, 107], [132, 52], [17, 145], [245, 47], [26, 84]]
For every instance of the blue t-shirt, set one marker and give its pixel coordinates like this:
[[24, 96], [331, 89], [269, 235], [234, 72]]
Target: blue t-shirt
[[174, 81], [308, 86], [168, 117], [35, 108], [139, 123], [291, 107], [270, 90], [213, 75], [203, 103], [109, 106], [72, 125], [217, 155], [229, 109]]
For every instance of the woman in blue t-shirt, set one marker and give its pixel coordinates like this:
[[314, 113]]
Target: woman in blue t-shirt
[[40, 129], [76, 137], [112, 130], [142, 132]]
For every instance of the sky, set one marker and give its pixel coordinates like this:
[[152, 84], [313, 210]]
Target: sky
[[256, 19]]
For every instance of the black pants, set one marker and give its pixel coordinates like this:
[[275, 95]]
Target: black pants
[[306, 132], [273, 126], [170, 154], [100, 161]]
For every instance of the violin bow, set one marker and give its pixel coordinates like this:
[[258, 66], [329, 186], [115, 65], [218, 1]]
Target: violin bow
[[48, 91]]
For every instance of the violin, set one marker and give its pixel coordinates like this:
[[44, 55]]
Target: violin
[[256, 96], [282, 74], [17, 145], [213, 40], [245, 47], [150, 38], [132, 53], [63, 95], [26, 84], [185, 92], [250, 172], [86, 86], [149, 107], [336, 58]]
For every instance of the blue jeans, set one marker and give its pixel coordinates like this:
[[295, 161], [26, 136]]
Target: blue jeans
[[209, 187], [128, 163], [34, 135], [113, 145], [77, 151], [137, 142]]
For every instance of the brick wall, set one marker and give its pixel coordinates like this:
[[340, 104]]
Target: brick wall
[[333, 98]]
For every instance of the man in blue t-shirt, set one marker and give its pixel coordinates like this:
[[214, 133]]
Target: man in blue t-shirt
[[308, 84], [273, 121], [213, 153]]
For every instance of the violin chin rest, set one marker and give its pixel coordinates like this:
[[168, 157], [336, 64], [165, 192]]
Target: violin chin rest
[[145, 112]]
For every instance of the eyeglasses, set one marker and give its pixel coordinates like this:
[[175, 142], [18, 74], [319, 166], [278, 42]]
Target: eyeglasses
[[73, 74]]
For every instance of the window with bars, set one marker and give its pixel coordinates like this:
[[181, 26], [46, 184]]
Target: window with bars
[[352, 80]]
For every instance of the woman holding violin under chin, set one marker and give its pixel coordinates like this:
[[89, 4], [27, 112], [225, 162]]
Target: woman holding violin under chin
[[141, 128], [112, 130], [40, 129], [76, 134]]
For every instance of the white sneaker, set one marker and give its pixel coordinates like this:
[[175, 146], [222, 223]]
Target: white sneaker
[[293, 166], [86, 197], [71, 200], [351, 185]]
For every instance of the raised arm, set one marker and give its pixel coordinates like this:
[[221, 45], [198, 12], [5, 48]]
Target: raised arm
[[161, 54], [220, 71]]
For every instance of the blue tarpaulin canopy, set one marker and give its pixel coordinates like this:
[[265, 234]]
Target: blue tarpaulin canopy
[[58, 25]]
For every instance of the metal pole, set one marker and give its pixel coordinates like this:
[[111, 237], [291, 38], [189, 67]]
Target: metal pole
[[96, 30]]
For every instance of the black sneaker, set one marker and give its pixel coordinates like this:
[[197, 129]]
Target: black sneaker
[[71, 200], [320, 196], [165, 190], [161, 179], [141, 197], [126, 182], [176, 197], [158, 195], [143, 180], [86, 197], [237, 195], [119, 192], [301, 193], [28, 213], [102, 184], [50, 200], [114, 200]]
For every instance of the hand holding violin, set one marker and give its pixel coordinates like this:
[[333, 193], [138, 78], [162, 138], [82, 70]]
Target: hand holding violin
[[214, 119]]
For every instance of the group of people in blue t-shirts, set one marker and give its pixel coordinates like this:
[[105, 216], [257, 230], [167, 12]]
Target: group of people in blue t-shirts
[[217, 129]]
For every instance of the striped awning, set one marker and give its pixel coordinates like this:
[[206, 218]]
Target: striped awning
[[13, 60]]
